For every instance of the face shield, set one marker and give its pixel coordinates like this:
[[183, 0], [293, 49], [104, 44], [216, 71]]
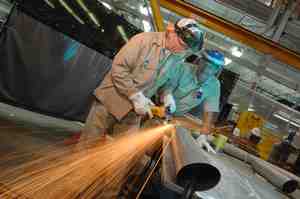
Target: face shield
[[191, 35]]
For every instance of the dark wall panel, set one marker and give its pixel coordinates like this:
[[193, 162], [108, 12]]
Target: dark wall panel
[[46, 71], [50, 63]]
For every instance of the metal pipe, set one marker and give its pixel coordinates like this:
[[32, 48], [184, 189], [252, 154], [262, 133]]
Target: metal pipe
[[192, 166], [285, 182], [237, 153], [23, 116], [278, 179], [71, 11]]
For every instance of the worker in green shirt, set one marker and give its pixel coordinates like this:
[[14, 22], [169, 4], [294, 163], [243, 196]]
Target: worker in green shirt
[[191, 84]]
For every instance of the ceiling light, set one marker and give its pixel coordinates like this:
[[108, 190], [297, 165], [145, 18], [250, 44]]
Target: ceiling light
[[251, 108], [235, 108], [69, 9], [82, 5], [286, 120], [122, 33], [227, 61], [90, 14], [295, 124], [50, 3], [94, 19], [106, 5], [147, 26], [236, 51], [280, 117]]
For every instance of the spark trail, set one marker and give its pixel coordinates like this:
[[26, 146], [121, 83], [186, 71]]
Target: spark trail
[[92, 169]]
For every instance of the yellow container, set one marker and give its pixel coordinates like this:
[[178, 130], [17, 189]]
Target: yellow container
[[219, 142]]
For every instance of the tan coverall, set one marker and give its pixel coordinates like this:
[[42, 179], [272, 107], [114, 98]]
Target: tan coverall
[[133, 69]]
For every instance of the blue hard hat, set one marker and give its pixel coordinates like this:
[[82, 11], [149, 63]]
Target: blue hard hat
[[215, 57]]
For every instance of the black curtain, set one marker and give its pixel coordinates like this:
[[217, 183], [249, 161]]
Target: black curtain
[[50, 63], [45, 71]]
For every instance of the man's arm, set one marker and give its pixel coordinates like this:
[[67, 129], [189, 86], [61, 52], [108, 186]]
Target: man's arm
[[211, 107], [208, 121], [123, 64]]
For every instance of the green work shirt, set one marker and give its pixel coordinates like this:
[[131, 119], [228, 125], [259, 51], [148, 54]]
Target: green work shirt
[[183, 84], [165, 67]]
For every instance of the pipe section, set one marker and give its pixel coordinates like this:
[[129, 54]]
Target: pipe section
[[278, 179], [282, 180], [193, 169]]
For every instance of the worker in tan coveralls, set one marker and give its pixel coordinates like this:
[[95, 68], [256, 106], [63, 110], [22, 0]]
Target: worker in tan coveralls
[[124, 94], [121, 97]]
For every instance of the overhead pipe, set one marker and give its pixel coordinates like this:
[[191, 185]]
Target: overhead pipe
[[193, 169]]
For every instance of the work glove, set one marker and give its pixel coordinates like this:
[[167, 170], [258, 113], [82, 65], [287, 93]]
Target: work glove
[[170, 103], [203, 143], [142, 104]]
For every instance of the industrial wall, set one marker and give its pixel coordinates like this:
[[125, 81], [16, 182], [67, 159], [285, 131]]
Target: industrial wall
[[46, 71]]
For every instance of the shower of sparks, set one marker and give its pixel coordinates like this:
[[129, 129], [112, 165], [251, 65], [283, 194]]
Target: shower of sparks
[[90, 169]]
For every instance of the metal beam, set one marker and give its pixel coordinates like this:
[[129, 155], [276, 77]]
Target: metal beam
[[234, 31], [158, 19], [284, 21], [191, 163], [293, 28], [272, 19]]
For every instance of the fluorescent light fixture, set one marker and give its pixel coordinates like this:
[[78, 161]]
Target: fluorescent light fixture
[[236, 51], [69, 9], [286, 120], [144, 10], [50, 3], [106, 5], [147, 26], [82, 5], [227, 61], [90, 14], [295, 124], [281, 117], [235, 108], [122, 33], [94, 19], [251, 109]]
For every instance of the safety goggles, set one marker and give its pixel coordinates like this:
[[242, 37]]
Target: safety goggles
[[189, 37]]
